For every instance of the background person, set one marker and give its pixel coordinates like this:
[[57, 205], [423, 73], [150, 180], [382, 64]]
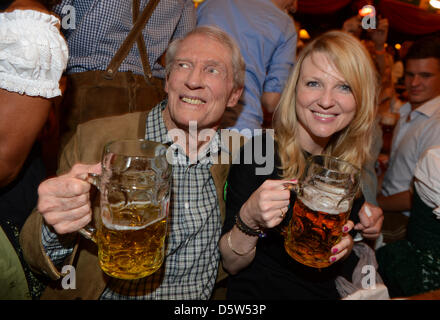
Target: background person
[[412, 265], [33, 56], [418, 128], [267, 38], [99, 31]]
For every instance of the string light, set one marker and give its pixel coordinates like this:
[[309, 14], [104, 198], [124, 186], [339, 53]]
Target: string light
[[366, 10], [398, 46], [196, 2], [303, 34], [435, 3]]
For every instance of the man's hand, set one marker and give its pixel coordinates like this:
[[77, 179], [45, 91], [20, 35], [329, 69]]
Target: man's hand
[[353, 26], [371, 220], [380, 34], [64, 201]]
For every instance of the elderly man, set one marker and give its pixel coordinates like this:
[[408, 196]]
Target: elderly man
[[205, 75]]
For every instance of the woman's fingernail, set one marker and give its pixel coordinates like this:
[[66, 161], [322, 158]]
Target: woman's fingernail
[[345, 229], [335, 250], [333, 259]]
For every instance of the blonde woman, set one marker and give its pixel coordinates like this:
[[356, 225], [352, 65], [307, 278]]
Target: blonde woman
[[327, 107]]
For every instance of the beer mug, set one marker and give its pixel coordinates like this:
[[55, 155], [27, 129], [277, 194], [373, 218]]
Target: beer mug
[[325, 194], [131, 227]]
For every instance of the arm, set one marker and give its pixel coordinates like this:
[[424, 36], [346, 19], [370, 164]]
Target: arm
[[242, 183], [22, 116], [401, 201], [371, 220], [379, 37], [261, 210], [43, 248], [278, 70], [269, 100], [353, 26], [21, 119], [63, 207]]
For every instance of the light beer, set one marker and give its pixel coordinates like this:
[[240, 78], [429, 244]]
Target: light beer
[[135, 249], [312, 233]]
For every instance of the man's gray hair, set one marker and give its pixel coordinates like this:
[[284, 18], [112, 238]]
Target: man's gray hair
[[217, 34]]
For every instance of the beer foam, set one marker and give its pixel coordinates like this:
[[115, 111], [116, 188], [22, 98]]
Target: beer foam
[[117, 208], [329, 188], [320, 200], [107, 223]]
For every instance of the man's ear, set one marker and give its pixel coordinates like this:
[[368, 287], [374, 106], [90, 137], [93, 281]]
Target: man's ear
[[234, 97], [166, 84]]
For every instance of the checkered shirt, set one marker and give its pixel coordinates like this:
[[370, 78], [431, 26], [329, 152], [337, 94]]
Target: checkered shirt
[[192, 255], [100, 27]]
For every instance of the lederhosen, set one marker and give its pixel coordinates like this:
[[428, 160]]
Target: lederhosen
[[98, 94]]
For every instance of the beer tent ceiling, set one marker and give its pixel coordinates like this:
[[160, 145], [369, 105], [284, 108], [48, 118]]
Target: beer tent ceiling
[[404, 16]]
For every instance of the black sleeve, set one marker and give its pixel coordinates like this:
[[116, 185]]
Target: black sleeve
[[243, 180], [354, 214]]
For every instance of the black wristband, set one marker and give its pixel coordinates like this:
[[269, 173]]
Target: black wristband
[[246, 230]]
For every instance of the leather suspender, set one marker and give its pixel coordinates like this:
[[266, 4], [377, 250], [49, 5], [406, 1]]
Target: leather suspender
[[134, 34], [141, 42]]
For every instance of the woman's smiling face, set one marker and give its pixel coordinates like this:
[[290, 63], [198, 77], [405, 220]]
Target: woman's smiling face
[[324, 102]]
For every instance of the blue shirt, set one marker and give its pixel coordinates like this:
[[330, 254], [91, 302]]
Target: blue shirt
[[100, 27], [267, 39]]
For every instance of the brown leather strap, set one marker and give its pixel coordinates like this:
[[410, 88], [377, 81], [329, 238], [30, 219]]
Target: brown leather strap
[[136, 31], [141, 43], [142, 124]]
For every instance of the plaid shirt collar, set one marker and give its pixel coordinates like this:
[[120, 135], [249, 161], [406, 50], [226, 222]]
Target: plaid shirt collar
[[157, 131]]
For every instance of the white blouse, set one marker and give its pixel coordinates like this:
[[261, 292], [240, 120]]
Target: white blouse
[[427, 179], [33, 53]]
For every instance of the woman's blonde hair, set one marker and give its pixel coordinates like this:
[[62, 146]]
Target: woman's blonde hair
[[352, 60]]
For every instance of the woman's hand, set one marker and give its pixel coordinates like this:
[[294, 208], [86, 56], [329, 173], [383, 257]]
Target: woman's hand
[[267, 206], [343, 248]]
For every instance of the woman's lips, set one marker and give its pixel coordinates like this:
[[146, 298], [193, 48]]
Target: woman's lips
[[324, 115]]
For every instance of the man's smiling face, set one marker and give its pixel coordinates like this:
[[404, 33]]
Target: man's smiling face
[[200, 85], [422, 80]]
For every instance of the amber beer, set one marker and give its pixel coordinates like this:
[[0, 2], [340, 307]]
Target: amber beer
[[312, 233], [324, 196], [136, 249], [131, 225]]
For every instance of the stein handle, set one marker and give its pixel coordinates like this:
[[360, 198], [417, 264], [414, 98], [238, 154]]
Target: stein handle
[[88, 231], [282, 230]]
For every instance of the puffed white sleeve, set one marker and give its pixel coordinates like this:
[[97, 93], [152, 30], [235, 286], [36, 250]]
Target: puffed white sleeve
[[427, 179], [33, 53]]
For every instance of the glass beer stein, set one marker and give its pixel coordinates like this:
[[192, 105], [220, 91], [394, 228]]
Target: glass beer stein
[[131, 227], [325, 194]]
